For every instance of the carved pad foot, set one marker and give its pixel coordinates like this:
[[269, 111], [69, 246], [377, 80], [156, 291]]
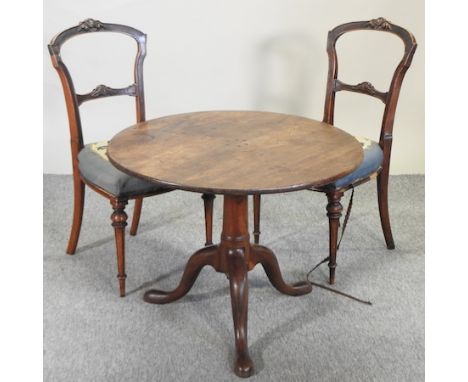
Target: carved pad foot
[[243, 366]]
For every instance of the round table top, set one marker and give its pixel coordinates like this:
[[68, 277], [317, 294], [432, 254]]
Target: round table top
[[235, 152]]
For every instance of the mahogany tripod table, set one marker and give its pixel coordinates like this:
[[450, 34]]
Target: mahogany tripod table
[[236, 154]]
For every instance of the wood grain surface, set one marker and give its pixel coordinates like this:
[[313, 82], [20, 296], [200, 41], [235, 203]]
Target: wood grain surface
[[235, 152]]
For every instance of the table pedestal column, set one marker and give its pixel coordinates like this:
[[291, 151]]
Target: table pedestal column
[[234, 256]]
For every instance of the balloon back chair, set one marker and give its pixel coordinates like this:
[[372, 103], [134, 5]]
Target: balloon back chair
[[90, 164], [376, 160]]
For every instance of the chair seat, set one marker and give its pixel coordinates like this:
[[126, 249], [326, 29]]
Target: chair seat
[[373, 158], [95, 167]]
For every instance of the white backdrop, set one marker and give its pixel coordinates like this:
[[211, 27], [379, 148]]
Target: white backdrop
[[235, 54]]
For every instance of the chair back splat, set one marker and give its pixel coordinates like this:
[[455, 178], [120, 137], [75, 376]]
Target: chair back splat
[[389, 98], [74, 100]]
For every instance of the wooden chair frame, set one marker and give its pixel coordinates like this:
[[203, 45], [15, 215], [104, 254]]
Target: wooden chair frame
[[390, 99], [73, 102]]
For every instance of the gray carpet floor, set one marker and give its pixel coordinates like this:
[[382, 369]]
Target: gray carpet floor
[[90, 334]]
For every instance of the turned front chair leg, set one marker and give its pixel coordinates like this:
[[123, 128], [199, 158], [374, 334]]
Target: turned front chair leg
[[256, 209], [119, 222], [78, 206], [208, 204], [334, 209], [136, 216]]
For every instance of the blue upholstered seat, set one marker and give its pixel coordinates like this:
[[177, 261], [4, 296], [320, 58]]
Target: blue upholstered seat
[[373, 157], [96, 168]]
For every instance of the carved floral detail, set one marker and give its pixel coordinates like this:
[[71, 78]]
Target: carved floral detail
[[380, 23], [90, 25], [101, 90], [367, 86], [363, 87], [105, 91]]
